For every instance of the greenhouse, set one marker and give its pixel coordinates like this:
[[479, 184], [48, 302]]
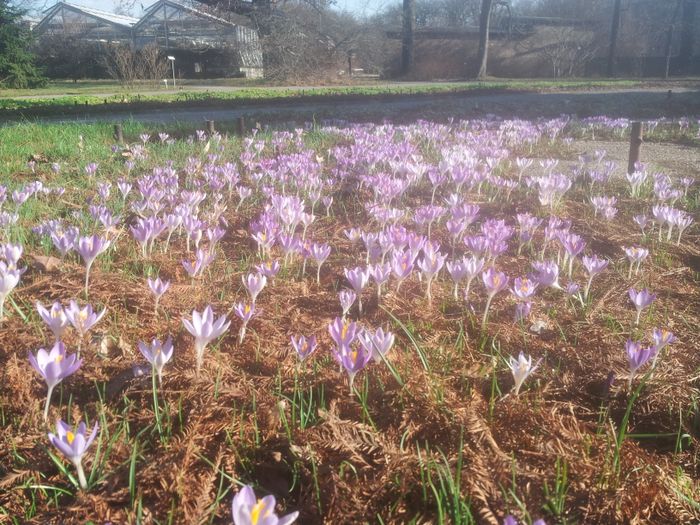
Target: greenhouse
[[202, 44], [85, 23]]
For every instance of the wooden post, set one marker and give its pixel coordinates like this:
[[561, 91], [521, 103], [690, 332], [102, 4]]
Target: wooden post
[[118, 134], [210, 127], [240, 127], [635, 146]]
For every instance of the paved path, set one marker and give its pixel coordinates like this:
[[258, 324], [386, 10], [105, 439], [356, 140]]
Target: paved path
[[640, 103]]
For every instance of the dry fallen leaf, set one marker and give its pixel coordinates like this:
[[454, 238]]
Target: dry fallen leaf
[[38, 158], [45, 263]]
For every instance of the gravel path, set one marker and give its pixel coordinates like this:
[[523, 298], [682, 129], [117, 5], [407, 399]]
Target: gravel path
[[672, 159], [639, 102]]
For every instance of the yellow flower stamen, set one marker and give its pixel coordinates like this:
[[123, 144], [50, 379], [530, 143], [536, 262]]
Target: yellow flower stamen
[[70, 437], [257, 512]]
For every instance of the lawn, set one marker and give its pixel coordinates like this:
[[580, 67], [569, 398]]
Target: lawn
[[374, 323], [105, 92]]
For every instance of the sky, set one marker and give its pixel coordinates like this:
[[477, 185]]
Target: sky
[[359, 7], [364, 7]]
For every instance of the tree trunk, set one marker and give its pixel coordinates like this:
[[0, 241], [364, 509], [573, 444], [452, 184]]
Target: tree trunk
[[484, 27], [614, 32], [408, 44], [690, 9], [669, 38]]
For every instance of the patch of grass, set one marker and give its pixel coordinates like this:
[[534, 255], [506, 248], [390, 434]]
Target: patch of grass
[[10, 101]]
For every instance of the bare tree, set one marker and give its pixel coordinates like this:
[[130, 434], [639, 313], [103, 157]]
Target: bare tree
[[152, 63], [484, 29], [408, 40], [300, 44], [569, 51], [669, 38], [614, 33], [690, 11], [122, 64]]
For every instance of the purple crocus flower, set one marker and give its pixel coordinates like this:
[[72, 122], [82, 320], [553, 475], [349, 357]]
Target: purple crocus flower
[[247, 510], [641, 300], [636, 256], [243, 193], [521, 368], [522, 311], [511, 520], [73, 443], [473, 266], [89, 248], [143, 232], [641, 221], [54, 366], [254, 283], [203, 258], [91, 169], [342, 332], [402, 266], [320, 252], [457, 271], [353, 234], [594, 266], [527, 225], [158, 288], [327, 202], [205, 328], [158, 354], [574, 245], [56, 318], [358, 279], [378, 343], [124, 188], [572, 290], [172, 223], [638, 357], [269, 269], [9, 279], [245, 312], [523, 288], [494, 281], [547, 274], [380, 273], [11, 253], [662, 337], [430, 265], [352, 359], [304, 346], [65, 241], [82, 319], [347, 298]]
